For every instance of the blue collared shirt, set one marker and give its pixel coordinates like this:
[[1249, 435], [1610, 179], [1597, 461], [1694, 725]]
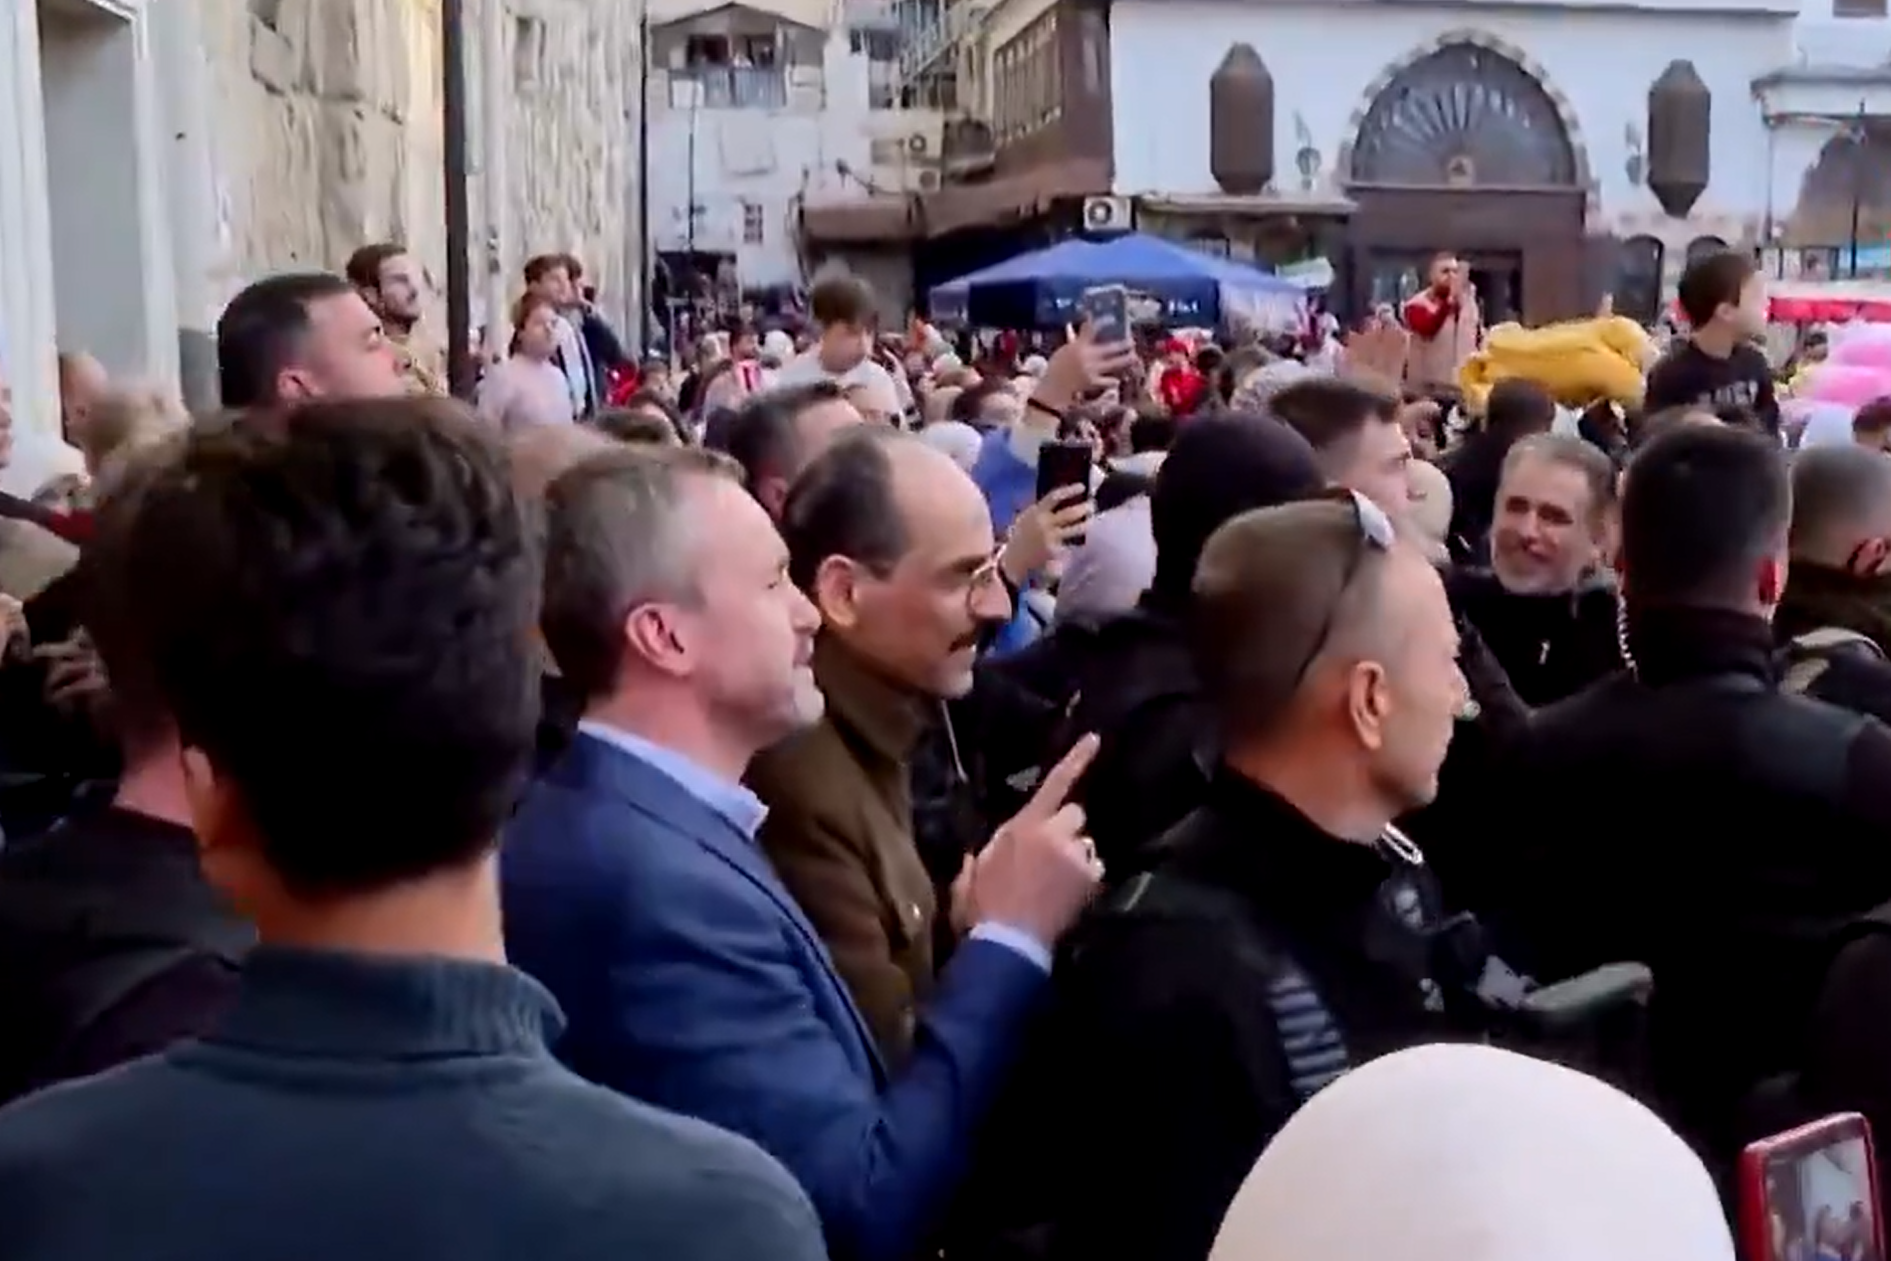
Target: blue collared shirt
[[733, 801], [745, 812]]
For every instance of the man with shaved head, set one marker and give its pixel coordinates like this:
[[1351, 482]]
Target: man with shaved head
[[1835, 615], [540, 454], [83, 384], [1277, 936]]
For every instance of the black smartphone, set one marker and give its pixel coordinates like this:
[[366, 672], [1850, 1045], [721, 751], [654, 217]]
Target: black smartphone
[[1106, 310], [1064, 462]]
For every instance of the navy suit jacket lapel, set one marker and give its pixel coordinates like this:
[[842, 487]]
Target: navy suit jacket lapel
[[651, 792]]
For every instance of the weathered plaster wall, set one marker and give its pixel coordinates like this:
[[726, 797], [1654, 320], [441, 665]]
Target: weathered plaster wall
[[327, 134], [325, 130], [573, 129]]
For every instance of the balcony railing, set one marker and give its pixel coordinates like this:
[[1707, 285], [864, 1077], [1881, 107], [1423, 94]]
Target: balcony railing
[[927, 35], [729, 87]]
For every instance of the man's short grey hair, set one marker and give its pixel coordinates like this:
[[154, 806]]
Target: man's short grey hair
[[619, 533], [1839, 495]]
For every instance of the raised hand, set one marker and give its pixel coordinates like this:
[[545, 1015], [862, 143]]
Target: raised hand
[[1040, 870]]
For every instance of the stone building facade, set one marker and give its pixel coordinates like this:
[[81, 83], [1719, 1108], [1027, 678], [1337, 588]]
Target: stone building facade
[[574, 113], [327, 135], [156, 157]]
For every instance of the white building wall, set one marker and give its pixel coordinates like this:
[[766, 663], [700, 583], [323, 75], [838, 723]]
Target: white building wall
[[825, 144], [105, 191], [1824, 40], [84, 227], [156, 157], [1324, 57], [28, 342]]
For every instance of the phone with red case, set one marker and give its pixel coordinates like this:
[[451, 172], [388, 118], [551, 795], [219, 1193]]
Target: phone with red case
[[1811, 1194]]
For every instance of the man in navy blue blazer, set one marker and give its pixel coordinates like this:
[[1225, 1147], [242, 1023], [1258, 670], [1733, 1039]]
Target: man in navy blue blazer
[[634, 889]]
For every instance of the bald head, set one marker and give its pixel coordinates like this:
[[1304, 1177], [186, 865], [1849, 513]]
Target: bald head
[[1841, 499], [79, 370], [875, 397], [83, 383]]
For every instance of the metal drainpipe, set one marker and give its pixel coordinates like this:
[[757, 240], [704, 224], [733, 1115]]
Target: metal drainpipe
[[642, 259], [460, 369], [494, 168]]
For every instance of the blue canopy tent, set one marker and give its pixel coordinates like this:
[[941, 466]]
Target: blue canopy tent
[[1007, 285], [1169, 284]]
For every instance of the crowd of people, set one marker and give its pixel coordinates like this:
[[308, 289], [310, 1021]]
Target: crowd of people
[[732, 808]]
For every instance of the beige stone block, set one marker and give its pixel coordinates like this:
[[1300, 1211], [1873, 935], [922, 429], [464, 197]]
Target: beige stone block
[[272, 58], [328, 135], [342, 52]]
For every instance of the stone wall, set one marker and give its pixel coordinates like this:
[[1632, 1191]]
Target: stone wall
[[572, 137], [326, 130], [327, 134]]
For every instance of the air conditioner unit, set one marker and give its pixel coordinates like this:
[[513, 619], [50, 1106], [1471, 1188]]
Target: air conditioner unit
[[917, 145], [1108, 214]]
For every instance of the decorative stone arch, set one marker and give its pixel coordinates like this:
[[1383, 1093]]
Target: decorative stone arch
[[1852, 162], [1390, 73]]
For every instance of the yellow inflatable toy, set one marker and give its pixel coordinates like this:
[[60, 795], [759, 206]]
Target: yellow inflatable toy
[[1578, 361]]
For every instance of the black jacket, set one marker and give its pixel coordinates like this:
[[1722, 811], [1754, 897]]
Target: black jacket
[[1852, 677], [1160, 1073], [1550, 646], [1448, 825], [1138, 691], [112, 946], [1474, 471], [1692, 817], [1848, 1067]]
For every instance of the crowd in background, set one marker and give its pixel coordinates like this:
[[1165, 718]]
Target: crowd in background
[[738, 806]]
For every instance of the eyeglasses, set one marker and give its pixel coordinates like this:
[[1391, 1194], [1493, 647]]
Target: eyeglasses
[[980, 580], [1372, 531]]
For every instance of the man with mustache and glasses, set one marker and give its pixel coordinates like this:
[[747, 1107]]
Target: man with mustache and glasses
[[893, 543]]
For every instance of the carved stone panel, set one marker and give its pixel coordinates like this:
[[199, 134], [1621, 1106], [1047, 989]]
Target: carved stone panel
[[1241, 123], [1464, 116], [1680, 121]]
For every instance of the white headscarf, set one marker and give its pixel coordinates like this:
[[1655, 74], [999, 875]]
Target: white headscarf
[[1467, 1153], [955, 439]]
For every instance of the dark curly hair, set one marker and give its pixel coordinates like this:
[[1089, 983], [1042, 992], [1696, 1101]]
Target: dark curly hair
[[337, 605]]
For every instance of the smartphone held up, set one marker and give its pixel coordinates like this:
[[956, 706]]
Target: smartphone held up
[[1106, 310], [1811, 1194], [1064, 462]]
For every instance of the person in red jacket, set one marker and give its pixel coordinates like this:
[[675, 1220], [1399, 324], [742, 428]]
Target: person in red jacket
[[1181, 385], [1445, 325]]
